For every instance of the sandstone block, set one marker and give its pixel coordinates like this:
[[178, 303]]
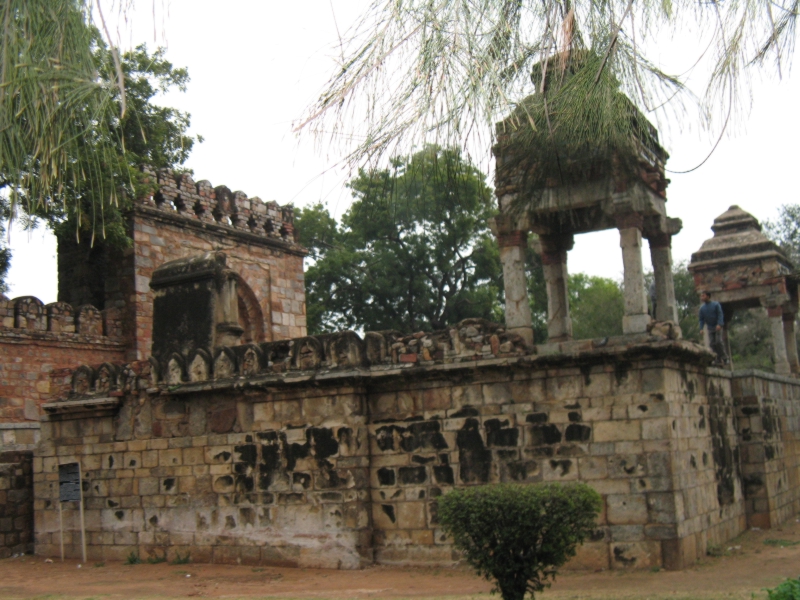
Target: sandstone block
[[411, 515], [626, 509], [615, 431], [635, 555], [590, 557]]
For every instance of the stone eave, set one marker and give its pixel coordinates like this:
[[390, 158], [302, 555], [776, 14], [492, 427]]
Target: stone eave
[[725, 259], [217, 229], [102, 406]]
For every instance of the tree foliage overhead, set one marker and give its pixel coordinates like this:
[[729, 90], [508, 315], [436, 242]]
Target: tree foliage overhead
[[55, 100], [147, 133], [91, 207], [449, 69], [413, 251]]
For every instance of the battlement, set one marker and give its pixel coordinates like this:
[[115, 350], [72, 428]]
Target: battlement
[[343, 354], [178, 195], [29, 315]]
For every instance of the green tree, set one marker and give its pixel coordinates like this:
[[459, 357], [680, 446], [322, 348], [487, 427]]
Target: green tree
[[519, 535], [537, 291], [412, 252], [148, 133], [596, 306], [750, 339], [55, 100], [785, 231], [687, 301]]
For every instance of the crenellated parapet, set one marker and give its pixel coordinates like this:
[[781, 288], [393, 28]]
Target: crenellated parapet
[[177, 195], [29, 315], [466, 342], [336, 355]]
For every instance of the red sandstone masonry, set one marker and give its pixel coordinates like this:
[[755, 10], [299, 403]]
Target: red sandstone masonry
[[36, 339], [184, 218]]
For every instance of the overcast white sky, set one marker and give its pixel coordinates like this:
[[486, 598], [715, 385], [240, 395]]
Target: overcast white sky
[[256, 65]]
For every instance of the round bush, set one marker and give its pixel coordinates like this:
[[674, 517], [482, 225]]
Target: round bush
[[518, 535]]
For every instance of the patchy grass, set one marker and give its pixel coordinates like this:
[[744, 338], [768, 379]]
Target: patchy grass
[[781, 543]]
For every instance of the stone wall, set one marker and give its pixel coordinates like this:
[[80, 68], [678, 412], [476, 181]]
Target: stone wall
[[768, 420], [181, 219], [185, 218], [35, 340], [708, 501], [331, 451], [16, 503]]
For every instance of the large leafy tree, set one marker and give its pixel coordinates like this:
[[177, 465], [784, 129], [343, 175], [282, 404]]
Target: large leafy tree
[[147, 133], [412, 252], [785, 231], [596, 306], [90, 207]]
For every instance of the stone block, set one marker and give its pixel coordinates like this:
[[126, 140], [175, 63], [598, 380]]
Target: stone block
[[384, 516], [656, 429], [436, 399], [626, 509], [411, 515], [626, 533], [559, 469], [592, 468], [170, 458], [635, 555], [193, 456], [615, 431], [150, 458], [287, 410]]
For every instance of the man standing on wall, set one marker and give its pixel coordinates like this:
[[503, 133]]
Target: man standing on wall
[[712, 318]]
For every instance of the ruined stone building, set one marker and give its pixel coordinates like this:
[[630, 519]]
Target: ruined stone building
[[206, 421]]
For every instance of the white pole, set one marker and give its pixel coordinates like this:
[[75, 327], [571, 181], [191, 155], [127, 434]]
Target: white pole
[[83, 525], [61, 528]]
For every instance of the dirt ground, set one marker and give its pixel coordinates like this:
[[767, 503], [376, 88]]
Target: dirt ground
[[747, 565]]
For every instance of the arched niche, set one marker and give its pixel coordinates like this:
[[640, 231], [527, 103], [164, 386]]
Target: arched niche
[[251, 317]]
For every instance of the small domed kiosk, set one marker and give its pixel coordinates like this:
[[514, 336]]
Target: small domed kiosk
[[741, 268]]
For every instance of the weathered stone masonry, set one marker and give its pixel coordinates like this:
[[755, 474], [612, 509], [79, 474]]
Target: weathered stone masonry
[[35, 341], [332, 451], [182, 219], [104, 313]]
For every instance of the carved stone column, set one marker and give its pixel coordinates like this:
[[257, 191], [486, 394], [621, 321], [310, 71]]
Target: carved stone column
[[775, 314], [554, 250], [636, 318], [661, 257], [518, 309], [791, 341]]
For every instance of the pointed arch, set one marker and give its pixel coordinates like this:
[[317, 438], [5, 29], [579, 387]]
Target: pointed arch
[[251, 317]]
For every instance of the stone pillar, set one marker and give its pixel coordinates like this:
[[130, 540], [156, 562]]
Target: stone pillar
[[636, 318], [775, 314], [791, 341], [518, 309], [554, 250], [661, 257]]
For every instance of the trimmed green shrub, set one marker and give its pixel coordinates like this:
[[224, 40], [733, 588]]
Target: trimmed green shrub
[[518, 535], [788, 590]]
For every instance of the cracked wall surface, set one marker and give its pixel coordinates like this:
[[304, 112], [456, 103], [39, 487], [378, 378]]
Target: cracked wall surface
[[332, 451]]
